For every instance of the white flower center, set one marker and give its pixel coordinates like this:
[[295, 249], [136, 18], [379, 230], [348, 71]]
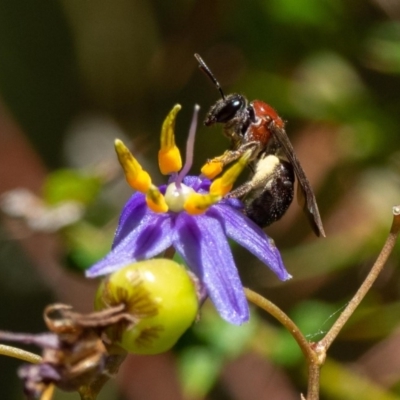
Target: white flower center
[[175, 197]]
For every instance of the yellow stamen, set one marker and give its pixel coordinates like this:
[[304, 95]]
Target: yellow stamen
[[48, 393], [223, 185], [212, 169], [155, 200], [169, 156], [198, 203], [136, 177]]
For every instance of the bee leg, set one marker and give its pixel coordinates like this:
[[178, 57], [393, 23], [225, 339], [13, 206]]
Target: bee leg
[[241, 191], [265, 170], [233, 155]]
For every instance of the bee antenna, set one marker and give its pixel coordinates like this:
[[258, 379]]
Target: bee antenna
[[203, 66]]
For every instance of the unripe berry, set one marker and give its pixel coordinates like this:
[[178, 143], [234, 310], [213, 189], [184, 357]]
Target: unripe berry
[[160, 296]]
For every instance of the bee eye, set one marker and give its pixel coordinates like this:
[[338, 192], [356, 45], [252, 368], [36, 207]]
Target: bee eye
[[229, 110]]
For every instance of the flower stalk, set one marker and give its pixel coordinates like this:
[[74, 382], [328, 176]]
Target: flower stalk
[[315, 353], [368, 282]]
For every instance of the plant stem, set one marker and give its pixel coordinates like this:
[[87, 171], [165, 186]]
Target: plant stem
[[315, 353], [369, 280], [278, 314], [323, 345], [313, 381], [15, 352]]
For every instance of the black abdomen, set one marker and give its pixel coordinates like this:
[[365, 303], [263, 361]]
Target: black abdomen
[[270, 204]]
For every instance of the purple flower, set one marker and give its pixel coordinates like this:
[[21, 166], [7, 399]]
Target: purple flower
[[200, 238]]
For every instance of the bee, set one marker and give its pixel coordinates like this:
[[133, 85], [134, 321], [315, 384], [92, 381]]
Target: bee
[[257, 127]]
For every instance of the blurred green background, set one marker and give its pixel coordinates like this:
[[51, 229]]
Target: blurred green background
[[74, 75]]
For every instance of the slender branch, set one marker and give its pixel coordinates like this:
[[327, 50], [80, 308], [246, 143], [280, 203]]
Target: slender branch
[[15, 352], [313, 381], [316, 353], [278, 314], [369, 280]]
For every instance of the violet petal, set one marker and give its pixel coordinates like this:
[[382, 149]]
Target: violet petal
[[249, 235], [131, 215], [148, 239], [201, 241]]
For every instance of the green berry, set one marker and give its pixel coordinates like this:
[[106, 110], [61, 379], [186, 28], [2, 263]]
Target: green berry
[[160, 296]]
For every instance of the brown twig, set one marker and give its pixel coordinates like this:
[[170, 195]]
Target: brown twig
[[278, 314], [323, 345], [315, 353], [369, 280], [313, 381]]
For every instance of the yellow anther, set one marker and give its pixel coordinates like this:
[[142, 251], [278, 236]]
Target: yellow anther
[[169, 156], [169, 161], [198, 203], [136, 177], [223, 185], [155, 200], [212, 169]]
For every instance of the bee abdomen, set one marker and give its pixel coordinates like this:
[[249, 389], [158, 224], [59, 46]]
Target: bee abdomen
[[271, 203]]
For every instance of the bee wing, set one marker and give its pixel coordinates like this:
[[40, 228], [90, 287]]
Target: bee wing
[[306, 197]]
